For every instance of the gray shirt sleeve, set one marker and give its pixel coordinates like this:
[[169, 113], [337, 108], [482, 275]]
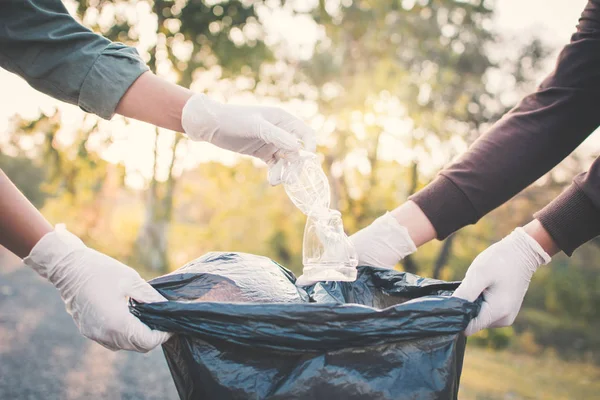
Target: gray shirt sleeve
[[43, 44]]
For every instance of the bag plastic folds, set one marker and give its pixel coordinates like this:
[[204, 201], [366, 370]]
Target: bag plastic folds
[[245, 331]]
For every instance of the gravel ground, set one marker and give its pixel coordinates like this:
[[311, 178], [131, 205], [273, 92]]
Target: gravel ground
[[43, 356]]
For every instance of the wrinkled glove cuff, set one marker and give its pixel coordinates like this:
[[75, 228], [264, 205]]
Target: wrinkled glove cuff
[[383, 243], [198, 118], [52, 249], [395, 235], [530, 247]]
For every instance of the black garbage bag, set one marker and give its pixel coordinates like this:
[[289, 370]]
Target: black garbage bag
[[245, 331]]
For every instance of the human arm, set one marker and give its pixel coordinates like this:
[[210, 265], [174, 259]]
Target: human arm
[[21, 225], [56, 55], [94, 287], [502, 274], [531, 139], [259, 131], [503, 271], [43, 44], [393, 236], [526, 143]]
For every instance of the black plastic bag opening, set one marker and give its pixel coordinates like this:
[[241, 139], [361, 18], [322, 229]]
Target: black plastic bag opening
[[245, 331]]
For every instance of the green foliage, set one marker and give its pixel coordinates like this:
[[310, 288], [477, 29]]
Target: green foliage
[[227, 34], [374, 46], [211, 30], [234, 209], [497, 339], [385, 65], [572, 292], [26, 175], [572, 338]]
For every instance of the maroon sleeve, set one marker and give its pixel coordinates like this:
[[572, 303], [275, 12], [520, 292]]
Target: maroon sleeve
[[573, 218], [543, 129]]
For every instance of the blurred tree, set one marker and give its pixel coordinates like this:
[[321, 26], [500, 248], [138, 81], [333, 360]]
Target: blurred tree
[[256, 219], [410, 76], [76, 181], [75, 173], [190, 36], [26, 175]]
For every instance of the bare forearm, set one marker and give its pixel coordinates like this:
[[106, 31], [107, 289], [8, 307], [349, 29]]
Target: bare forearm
[[422, 231], [152, 99], [21, 224], [537, 231], [414, 219]]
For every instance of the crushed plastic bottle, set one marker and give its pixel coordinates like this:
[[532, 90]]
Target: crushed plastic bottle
[[305, 183], [327, 252]]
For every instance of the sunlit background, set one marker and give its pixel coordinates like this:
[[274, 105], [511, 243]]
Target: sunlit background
[[393, 92]]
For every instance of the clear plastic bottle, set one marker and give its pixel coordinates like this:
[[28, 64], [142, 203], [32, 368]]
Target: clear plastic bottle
[[305, 183], [327, 252]]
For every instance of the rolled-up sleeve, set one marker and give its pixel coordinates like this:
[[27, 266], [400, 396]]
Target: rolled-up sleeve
[[56, 55]]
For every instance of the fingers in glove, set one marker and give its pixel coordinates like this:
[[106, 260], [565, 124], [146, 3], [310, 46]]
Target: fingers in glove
[[141, 338], [276, 136], [107, 345], [482, 321], [273, 158], [275, 171], [142, 292], [383, 243], [366, 248], [507, 318], [303, 132], [131, 334], [121, 330], [293, 125], [471, 287]]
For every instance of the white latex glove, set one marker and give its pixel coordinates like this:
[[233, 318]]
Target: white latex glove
[[96, 291], [383, 243], [262, 132], [502, 273]]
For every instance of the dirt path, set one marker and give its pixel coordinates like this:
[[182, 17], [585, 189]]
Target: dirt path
[[43, 356]]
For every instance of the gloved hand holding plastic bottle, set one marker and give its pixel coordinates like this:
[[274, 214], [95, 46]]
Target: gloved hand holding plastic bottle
[[263, 132], [383, 243], [393, 236], [95, 289], [327, 252]]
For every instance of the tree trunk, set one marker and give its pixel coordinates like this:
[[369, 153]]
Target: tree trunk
[[409, 263], [151, 243], [151, 246], [414, 179], [443, 257], [369, 214]]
